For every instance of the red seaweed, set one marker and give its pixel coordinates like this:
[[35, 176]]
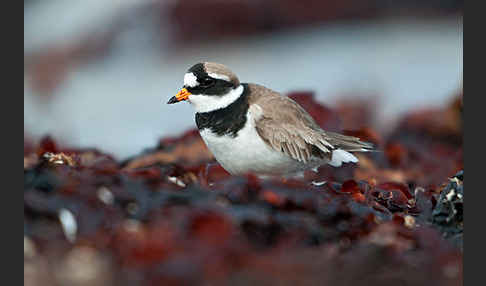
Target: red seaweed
[[172, 215]]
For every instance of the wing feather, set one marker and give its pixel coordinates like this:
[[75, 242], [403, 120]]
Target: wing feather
[[286, 127]]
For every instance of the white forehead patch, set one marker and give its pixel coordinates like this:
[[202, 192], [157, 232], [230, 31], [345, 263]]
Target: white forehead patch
[[218, 76], [190, 80]]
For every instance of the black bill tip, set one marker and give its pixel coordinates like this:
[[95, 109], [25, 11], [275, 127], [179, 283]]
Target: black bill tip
[[172, 100]]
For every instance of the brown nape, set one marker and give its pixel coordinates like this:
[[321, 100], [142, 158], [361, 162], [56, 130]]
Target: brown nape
[[221, 70]]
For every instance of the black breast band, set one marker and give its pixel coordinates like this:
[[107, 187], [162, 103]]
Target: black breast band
[[228, 120]]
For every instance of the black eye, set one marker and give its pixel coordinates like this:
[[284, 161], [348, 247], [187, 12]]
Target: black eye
[[207, 81]]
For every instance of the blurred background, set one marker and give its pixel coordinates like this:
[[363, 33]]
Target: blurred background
[[99, 73]]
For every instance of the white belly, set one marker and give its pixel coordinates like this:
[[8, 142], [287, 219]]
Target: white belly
[[247, 152]]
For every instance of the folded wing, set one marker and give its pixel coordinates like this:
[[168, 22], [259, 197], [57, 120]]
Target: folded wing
[[287, 127]]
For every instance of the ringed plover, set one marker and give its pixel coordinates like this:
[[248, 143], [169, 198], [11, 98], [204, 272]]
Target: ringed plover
[[250, 128]]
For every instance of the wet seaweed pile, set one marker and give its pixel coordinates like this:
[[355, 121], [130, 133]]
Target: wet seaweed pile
[[172, 216]]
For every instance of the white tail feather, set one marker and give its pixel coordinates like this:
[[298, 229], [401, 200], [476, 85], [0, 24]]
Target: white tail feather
[[340, 156]]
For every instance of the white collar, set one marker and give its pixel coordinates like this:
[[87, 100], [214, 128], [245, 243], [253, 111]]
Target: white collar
[[208, 103]]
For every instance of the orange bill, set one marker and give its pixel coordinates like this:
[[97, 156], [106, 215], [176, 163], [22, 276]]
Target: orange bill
[[182, 95]]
